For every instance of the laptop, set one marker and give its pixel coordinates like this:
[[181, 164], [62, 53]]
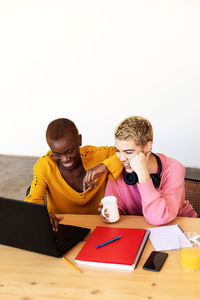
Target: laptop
[[27, 226]]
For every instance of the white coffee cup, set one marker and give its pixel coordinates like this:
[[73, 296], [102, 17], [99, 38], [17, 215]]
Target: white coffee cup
[[110, 205]]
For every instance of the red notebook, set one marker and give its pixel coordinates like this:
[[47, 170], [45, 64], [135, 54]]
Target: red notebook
[[123, 253]]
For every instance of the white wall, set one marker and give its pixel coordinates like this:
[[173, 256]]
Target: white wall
[[97, 62]]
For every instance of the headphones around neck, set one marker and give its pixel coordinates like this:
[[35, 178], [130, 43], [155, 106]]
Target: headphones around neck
[[132, 178]]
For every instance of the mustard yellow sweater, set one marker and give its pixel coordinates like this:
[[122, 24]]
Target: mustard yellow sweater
[[61, 198]]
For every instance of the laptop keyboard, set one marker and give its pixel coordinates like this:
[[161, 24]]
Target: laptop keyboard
[[68, 236], [63, 244], [65, 239]]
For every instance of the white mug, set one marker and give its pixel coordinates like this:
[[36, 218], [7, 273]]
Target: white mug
[[110, 204]]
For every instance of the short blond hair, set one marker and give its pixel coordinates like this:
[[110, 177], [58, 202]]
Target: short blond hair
[[137, 128]]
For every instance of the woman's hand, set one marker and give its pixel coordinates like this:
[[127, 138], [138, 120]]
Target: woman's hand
[[106, 217], [55, 220], [91, 175]]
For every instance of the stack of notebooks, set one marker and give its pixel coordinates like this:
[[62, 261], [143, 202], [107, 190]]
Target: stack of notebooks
[[123, 253]]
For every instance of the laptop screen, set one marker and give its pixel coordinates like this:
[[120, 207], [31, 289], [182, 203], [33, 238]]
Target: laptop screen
[[27, 226]]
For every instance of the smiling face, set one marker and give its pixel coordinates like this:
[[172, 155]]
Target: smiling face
[[132, 136], [126, 149], [66, 151]]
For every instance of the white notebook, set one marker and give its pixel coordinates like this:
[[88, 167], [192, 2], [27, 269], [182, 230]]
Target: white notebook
[[166, 237]]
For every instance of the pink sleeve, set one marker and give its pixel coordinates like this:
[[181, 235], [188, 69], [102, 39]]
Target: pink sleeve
[[112, 189], [161, 206]]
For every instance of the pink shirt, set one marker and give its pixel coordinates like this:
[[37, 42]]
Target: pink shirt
[[158, 205]]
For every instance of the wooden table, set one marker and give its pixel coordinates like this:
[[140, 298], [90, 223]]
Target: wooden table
[[27, 275]]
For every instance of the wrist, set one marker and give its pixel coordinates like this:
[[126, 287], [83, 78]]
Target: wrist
[[143, 176]]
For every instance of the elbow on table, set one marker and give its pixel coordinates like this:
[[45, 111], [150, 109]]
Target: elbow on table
[[158, 221], [157, 217]]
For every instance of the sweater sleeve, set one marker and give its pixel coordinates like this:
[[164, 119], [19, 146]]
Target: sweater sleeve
[[161, 206], [38, 186], [114, 166]]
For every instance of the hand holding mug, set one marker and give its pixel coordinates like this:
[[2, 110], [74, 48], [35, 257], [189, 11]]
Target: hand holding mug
[[109, 209], [106, 217]]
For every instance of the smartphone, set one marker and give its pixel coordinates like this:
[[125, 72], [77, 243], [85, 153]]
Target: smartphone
[[155, 261]]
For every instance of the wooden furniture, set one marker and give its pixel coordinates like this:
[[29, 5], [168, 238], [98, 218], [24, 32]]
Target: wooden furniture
[[192, 193], [27, 275]]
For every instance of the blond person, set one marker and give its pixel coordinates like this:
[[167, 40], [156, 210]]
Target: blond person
[[149, 184]]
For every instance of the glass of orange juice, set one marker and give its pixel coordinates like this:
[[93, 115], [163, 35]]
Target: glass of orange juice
[[189, 246]]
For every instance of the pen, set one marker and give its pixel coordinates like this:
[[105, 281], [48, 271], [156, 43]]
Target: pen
[[71, 264], [108, 242]]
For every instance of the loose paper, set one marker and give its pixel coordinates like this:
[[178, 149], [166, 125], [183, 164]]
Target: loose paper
[[167, 237]]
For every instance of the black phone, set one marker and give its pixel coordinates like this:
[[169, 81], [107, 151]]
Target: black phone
[[155, 261]]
